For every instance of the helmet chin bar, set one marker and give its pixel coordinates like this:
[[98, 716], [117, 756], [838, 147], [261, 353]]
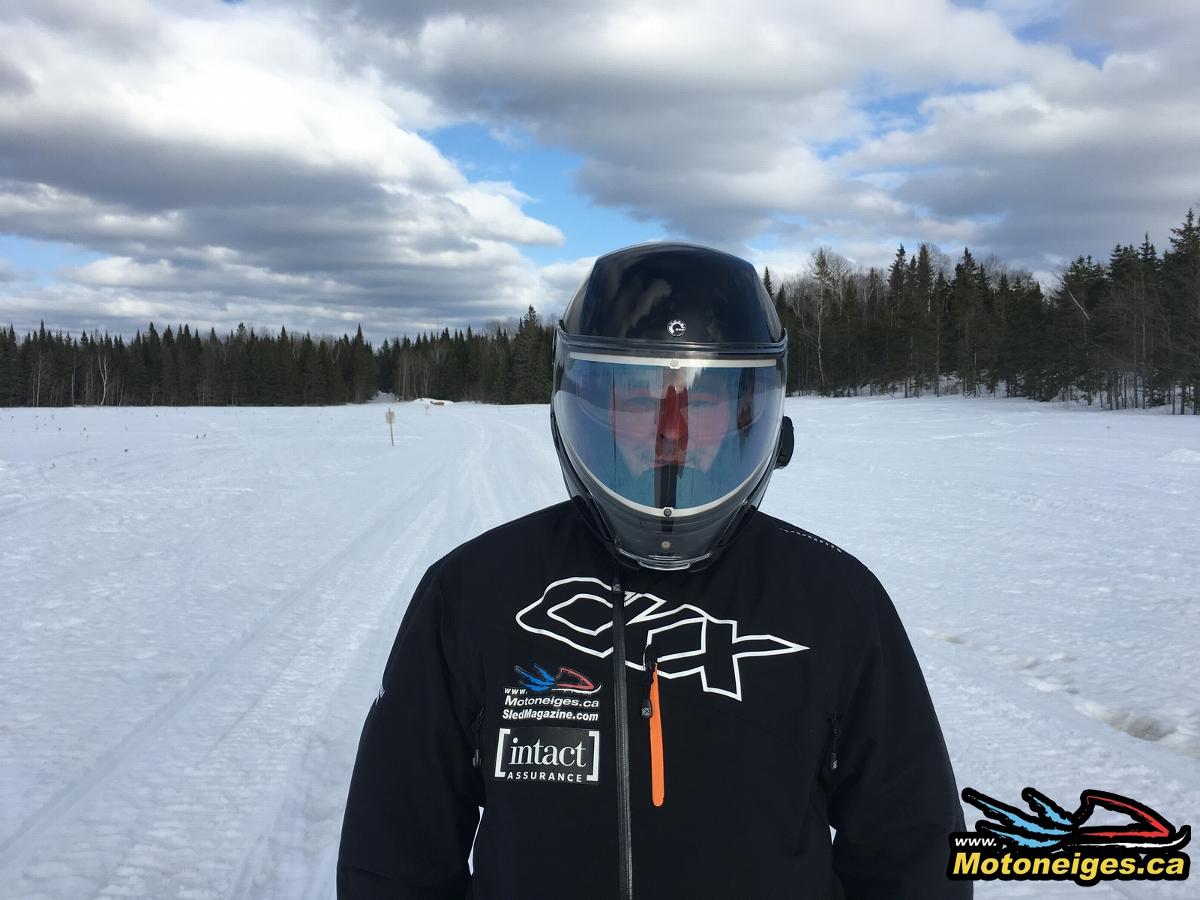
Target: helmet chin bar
[[667, 565], [603, 531]]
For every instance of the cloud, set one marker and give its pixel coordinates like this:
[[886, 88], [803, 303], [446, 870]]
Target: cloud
[[231, 155], [703, 116], [1055, 167], [726, 124], [561, 280], [272, 161]]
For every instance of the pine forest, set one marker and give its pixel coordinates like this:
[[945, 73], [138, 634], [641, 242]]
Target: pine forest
[[1123, 332]]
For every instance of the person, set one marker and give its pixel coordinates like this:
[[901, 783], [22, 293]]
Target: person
[[654, 689]]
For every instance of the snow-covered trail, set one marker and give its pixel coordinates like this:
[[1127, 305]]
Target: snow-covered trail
[[198, 604], [196, 662]]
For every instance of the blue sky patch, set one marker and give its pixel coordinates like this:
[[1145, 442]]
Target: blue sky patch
[[39, 261], [546, 175]]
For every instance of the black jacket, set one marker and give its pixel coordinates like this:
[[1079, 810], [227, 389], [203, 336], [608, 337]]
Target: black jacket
[[789, 702]]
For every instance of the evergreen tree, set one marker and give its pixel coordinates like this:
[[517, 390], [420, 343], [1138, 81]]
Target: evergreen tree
[[966, 305], [1181, 289], [530, 369]]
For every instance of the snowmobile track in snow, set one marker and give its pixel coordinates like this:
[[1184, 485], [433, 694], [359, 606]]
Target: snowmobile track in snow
[[367, 543]]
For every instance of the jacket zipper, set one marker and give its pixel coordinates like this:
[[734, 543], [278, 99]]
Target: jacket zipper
[[652, 710], [621, 715]]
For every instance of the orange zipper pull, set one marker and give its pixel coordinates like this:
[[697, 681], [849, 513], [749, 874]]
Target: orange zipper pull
[[652, 710]]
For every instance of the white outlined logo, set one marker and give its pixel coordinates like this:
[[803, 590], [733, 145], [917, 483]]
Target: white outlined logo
[[687, 640]]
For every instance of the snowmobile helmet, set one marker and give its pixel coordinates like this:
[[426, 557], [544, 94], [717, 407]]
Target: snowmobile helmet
[[670, 368]]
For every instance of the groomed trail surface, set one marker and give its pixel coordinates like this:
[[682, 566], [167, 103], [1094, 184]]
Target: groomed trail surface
[[197, 606]]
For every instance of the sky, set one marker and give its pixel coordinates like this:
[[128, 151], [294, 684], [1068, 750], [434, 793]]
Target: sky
[[406, 167]]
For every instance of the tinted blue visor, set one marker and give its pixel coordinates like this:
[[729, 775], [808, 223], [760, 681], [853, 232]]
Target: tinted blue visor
[[672, 436]]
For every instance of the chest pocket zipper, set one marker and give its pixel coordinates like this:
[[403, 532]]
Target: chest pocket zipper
[[476, 726], [829, 769], [652, 711]]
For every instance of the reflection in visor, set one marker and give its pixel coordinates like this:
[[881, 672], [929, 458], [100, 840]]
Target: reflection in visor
[[679, 434]]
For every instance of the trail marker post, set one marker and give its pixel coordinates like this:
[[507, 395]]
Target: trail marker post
[[391, 417]]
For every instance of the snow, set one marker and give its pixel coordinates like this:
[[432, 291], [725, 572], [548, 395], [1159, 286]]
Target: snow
[[197, 605]]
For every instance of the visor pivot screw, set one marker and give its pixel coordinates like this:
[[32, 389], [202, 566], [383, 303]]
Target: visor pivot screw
[[675, 328], [666, 545], [667, 512]]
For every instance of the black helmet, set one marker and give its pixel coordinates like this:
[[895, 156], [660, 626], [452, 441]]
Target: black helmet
[[670, 368]]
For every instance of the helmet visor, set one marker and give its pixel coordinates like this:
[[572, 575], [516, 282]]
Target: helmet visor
[[672, 436]]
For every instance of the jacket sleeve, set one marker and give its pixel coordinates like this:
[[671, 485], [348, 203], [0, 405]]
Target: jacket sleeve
[[892, 794], [414, 796]]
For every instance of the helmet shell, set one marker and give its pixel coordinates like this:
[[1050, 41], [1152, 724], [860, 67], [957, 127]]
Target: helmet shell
[[679, 293]]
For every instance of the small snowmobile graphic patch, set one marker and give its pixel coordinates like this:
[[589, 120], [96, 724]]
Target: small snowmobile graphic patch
[[568, 680]]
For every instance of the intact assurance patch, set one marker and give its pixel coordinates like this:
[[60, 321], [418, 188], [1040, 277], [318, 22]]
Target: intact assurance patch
[[548, 754]]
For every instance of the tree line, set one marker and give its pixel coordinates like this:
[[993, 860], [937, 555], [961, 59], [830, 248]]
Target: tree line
[[180, 368], [1121, 333]]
